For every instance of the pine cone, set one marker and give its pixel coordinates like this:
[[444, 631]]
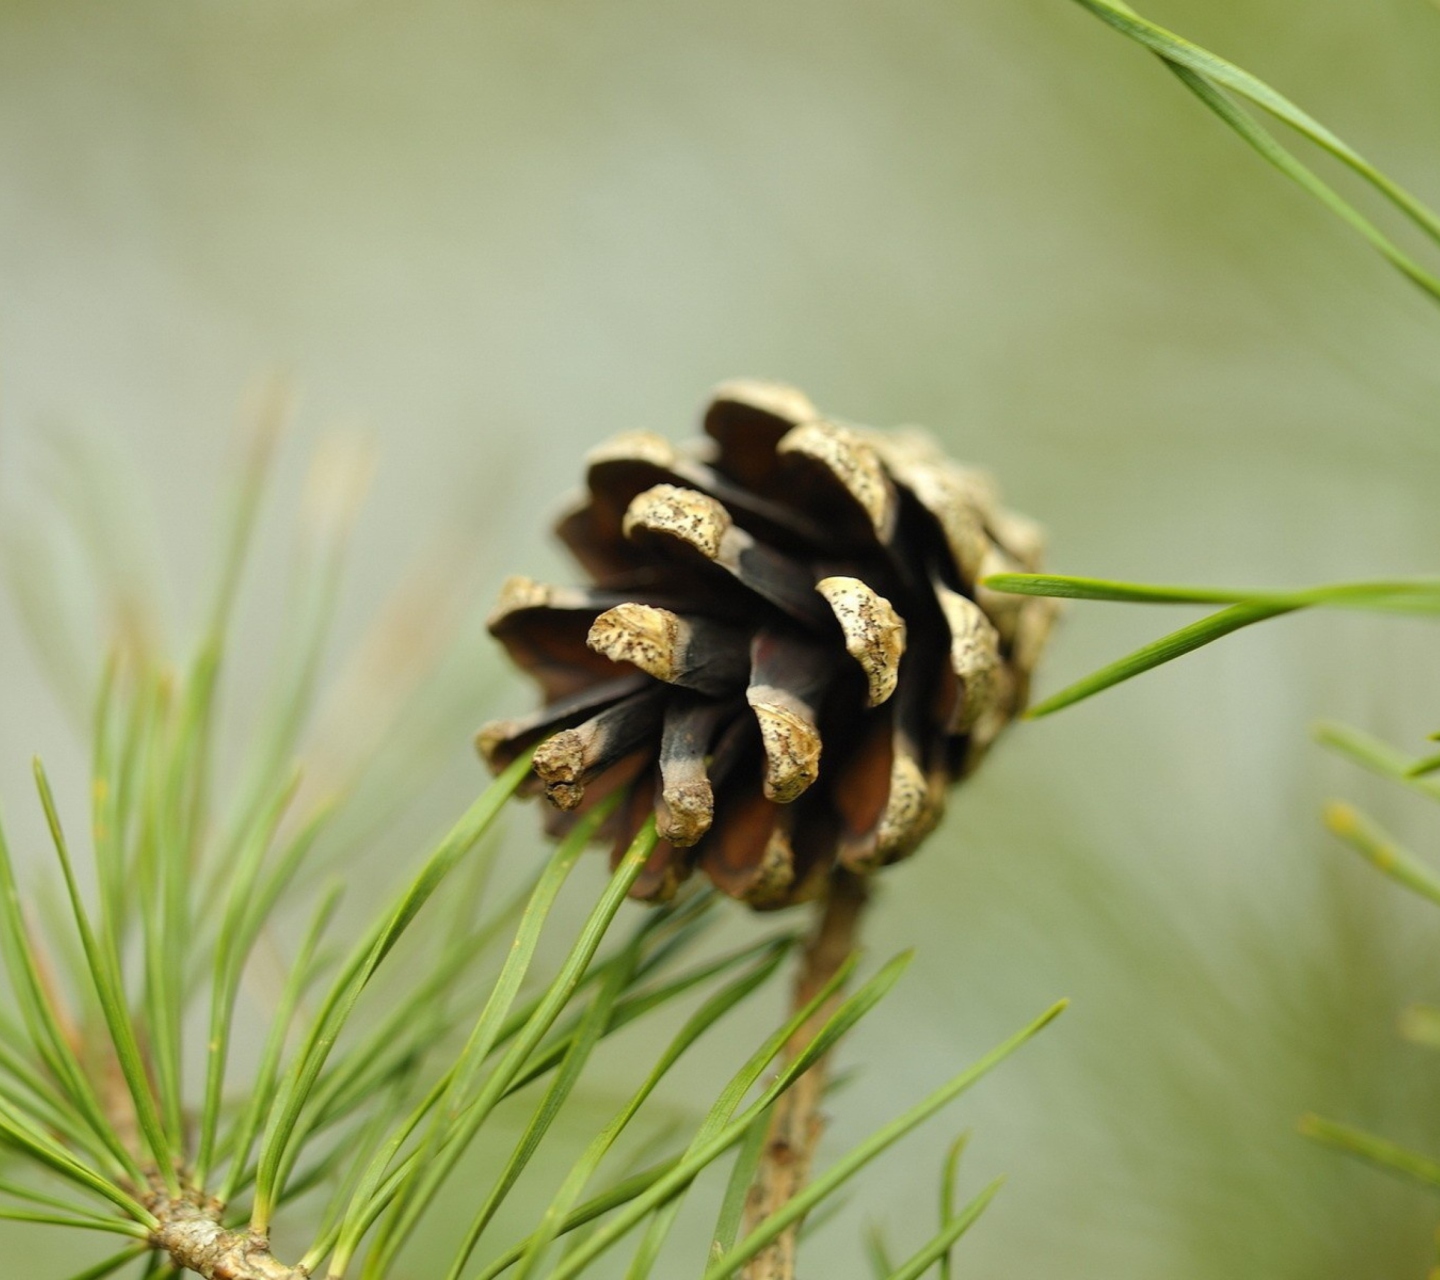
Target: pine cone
[[785, 653]]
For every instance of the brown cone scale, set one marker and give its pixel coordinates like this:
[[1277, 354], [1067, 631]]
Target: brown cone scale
[[783, 654]]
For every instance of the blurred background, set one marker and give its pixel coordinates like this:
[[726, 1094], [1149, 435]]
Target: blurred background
[[486, 235]]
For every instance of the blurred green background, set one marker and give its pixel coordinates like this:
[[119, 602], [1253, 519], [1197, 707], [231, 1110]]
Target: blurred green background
[[490, 234]]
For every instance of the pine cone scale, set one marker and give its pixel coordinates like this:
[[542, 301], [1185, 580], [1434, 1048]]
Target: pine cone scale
[[785, 656], [567, 762]]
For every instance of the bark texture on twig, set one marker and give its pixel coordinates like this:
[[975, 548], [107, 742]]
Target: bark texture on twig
[[196, 1241], [797, 1121]]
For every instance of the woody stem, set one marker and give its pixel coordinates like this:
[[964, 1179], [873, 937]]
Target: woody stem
[[796, 1122], [190, 1231]]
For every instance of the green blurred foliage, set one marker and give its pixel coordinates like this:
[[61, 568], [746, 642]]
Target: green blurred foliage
[[492, 233]]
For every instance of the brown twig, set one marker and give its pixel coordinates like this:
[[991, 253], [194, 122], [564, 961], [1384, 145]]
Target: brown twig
[[191, 1233], [796, 1122]]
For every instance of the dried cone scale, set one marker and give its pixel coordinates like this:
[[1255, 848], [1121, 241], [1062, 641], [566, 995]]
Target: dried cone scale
[[784, 654]]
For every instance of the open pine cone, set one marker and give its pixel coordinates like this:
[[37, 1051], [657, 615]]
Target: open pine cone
[[785, 653]]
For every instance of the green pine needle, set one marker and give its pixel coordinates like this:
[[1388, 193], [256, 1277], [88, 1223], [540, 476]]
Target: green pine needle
[[1158, 652], [1376, 755], [1372, 1149], [461, 1116], [111, 991], [1382, 852], [1212, 78], [878, 1253], [949, 1211], [937, 1250], [1246, 607], [881, 1140], [372, 1107]]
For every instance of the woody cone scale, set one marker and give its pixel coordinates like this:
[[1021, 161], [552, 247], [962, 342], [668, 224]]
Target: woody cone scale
[[784, 652]]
